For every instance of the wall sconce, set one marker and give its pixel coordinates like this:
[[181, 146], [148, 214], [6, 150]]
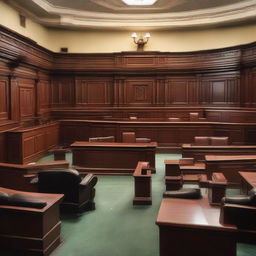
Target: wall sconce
[[140, 41]]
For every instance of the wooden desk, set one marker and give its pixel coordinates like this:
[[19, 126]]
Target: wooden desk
[[29, 144], [230, 165], [142, 185], [196, 168], [199, 152], [191, 227], [112, 158], [248, 181], [36, 231]]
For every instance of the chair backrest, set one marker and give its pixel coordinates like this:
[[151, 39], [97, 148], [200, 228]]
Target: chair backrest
[[102, 139], [129, 137], [219, 141], [193, 116], [58, 181], [201, 141]]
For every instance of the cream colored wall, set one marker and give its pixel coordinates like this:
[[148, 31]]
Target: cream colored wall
[[174, 41], [10, 18], [84, 41]]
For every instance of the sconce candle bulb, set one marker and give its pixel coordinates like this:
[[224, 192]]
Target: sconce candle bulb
[[141, 41]]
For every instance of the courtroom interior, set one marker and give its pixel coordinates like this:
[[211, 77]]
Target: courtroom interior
[[127, 127]]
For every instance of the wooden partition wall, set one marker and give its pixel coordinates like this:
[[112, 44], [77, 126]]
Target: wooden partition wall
[[37, 84]]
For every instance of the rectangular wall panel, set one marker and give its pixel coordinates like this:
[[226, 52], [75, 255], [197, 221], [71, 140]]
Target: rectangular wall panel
[[139, 92], [94, 91], [4, 99], [27, 98]]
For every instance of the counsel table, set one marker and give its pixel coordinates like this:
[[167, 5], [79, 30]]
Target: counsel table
[[191, 227], [230, 165], [111, 158]]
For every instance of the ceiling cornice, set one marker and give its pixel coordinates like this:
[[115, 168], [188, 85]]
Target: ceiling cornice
[[242, 11]]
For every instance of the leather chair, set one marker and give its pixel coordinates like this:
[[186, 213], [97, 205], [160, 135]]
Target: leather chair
[[185, 193], [219, 141], [201, 141], [239, 210], [194, 116], [128, 137], [78, 193], [102, 139]]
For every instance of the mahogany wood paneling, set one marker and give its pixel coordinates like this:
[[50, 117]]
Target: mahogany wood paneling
[[164, 133], [18, 48], [44, 96], [28, 144], [138, 91], [27, 98], [94, 92], [182, 91], [3, 151], [4, 99], [36, 83], [62, 91], [220, 89]]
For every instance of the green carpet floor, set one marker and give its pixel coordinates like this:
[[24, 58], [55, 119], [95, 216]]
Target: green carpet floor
[[116, 227]]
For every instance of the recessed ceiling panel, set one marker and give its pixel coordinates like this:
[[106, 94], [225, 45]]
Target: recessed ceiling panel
[[139, 2]]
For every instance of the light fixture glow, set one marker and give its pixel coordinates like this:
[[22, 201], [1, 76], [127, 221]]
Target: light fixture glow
[[139, 2], [140, 40]]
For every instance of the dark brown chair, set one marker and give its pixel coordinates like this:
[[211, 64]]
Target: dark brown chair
[[239, 211], [201, 141], [78, 193], [102, 139], [194, 116], [129, 137], [219, 141]]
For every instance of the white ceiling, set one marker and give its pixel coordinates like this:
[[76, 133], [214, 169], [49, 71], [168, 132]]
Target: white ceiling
[[115, 14]]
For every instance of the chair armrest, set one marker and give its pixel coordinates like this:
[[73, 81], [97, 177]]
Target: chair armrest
[[89, 179], [244, 217]]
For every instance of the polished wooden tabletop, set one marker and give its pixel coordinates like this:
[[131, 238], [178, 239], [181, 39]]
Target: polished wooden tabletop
[[112, 144], [229, 157], [191, 213], [219, 146], [249, 177]]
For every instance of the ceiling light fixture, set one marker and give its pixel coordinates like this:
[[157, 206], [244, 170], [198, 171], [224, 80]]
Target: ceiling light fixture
[[139, 2], [140, 41]]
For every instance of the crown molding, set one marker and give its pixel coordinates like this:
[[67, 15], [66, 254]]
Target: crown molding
[[242, 11]]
